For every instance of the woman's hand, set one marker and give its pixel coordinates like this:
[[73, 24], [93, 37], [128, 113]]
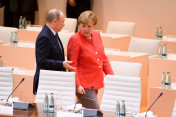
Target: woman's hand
[[80, 90]]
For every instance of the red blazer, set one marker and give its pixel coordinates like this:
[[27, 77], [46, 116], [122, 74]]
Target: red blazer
[[89, 60]]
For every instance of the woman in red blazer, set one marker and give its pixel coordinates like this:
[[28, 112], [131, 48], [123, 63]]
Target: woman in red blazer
[[86, 51]]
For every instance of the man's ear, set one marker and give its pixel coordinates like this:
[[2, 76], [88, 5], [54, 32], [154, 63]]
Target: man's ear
[[54, 20]]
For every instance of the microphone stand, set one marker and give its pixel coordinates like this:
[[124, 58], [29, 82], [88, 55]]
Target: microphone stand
[[15, 89], [153, 103]]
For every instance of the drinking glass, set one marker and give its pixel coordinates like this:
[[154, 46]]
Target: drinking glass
[[173, 82], [130, 109], [28, 23], [59, 100]]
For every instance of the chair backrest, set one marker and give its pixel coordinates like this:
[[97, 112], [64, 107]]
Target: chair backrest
[[149, 46], [6, 82], [5, 33], [118, 27], [65, 37], [121, 88], [70, 24], [126, 68], [55, 81]]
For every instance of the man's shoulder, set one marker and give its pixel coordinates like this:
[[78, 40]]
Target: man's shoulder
[[43, 36], [44, 32]]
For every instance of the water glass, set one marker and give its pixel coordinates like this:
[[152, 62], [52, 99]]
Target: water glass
[[28, 24], [59, 100], [130, 109]]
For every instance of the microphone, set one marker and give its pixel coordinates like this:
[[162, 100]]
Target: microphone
[[15, 88], [153, 103], [83, 96]]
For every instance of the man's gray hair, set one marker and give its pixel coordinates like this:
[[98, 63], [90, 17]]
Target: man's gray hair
[[52, 14]]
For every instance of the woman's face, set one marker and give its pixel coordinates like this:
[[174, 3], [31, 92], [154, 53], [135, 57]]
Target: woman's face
[[87, 28]]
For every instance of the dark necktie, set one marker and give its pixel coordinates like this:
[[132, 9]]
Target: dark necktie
[[59, 41], [60, 45]]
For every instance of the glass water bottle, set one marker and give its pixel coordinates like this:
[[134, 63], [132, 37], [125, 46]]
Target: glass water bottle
[[164, 52], [15, 40], [117, 111], [156, 33], [168, 81], [51, 103], [123, 109], [163, 79], [160, 51], [24, 23], [160, 34], [11, 39], [20, 22], [45, 105]]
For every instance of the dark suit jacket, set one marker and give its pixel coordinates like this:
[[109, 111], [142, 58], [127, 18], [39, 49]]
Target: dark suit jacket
[[48, 54], [8, 15], [81, 6], [24, 5]]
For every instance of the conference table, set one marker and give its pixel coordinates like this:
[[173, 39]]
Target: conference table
[[27, 36], [164, 106], [170, 42], [116, 41], [20, 55], [38, 112], [157, 66]]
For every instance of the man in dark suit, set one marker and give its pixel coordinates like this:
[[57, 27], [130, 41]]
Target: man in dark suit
[[49, 50], [8, 15], [76, 7], [25, 8]]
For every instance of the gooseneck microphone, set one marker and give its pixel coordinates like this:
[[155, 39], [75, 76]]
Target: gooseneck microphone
[[153, 103], [15, 88], [83, 96]]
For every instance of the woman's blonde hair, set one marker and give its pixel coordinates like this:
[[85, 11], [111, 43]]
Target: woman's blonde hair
[[86, 16]]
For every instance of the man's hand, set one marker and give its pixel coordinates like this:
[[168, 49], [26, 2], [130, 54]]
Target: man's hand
[[80, 90], [67, 66], [72, 3]]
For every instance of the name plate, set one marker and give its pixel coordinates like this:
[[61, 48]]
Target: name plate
[[6, 108]]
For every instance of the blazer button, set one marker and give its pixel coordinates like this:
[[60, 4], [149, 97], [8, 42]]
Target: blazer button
[[99, 66], [97, 59], [96, 52]]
